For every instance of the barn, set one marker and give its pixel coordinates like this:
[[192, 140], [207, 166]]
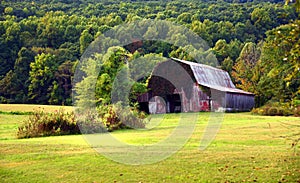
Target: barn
[[182, 86]]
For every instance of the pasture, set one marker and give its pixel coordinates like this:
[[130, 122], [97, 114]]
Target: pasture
[[248, 148]]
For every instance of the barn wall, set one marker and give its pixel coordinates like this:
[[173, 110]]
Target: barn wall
[[239, 102], [200, 101]]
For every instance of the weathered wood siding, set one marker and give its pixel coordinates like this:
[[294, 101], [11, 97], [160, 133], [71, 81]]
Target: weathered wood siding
[[239, 102]]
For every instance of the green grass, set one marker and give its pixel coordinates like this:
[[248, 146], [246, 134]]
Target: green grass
[[247, 148], [9, 125]]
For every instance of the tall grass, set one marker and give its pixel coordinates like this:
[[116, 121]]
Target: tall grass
[[48, 124]]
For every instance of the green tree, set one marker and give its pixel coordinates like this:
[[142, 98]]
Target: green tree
[[200, 29], [6, 85], [61, 89], [281, 64], [185, 18], [41, 76], [71, 34], [84, 92], [85, 39], [297, 4], [14, 85], [55, 94], [21, 74], [113, 62], [8, 10], [227, 65], [221, 50], [9, 44], [51, 29], [261, 20], [246, 70]]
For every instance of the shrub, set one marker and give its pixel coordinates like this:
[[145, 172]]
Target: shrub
[[109, 118], [297, 111], [130, 118], [296, 103], [274, 109], [118, 117], [106, 118], [90, 122], [46, 124], [3, 100]]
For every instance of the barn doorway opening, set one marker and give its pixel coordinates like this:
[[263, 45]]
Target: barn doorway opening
[[174, 103]]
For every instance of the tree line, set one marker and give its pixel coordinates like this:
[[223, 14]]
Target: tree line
[[41, 41]]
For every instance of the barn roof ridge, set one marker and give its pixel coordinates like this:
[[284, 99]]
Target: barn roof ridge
[[196, 64]]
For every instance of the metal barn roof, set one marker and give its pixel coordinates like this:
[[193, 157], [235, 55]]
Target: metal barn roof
[[212, 77]]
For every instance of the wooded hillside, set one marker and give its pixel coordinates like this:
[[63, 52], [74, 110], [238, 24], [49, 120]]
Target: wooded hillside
[[41, 41]]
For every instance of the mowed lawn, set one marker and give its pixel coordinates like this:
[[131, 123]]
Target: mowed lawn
[[247, 148]]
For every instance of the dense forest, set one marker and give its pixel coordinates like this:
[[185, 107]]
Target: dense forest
[[41, 42]]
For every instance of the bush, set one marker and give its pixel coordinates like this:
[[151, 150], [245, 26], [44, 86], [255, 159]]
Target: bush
[[130, 118], [118, 117], [106, 118], [90, 122], [46, 124], [296, 103], [274, 109], [297, 111], [3, 100]]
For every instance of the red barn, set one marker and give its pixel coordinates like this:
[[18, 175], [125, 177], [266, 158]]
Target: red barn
[[182, 86]]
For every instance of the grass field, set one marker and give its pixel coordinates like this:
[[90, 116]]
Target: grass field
[[247, 149], [31, 108]]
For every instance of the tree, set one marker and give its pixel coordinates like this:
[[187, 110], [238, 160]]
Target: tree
[[240, 29], [51, 29], [21, 74], [246, 70], [281, 64], [113, 61], [225, 30], [9, 44], [221, 50], [85, 39], [41, 76], [185, 18], [14, 85], [5, 86], [200, 29], [61, 89], [297, 4], [71, 34], [234, 48], [8, 10], [261, 20], [227, 65], [84, 93]]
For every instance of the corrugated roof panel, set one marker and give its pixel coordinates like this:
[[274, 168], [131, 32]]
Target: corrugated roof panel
[[212, 77]]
